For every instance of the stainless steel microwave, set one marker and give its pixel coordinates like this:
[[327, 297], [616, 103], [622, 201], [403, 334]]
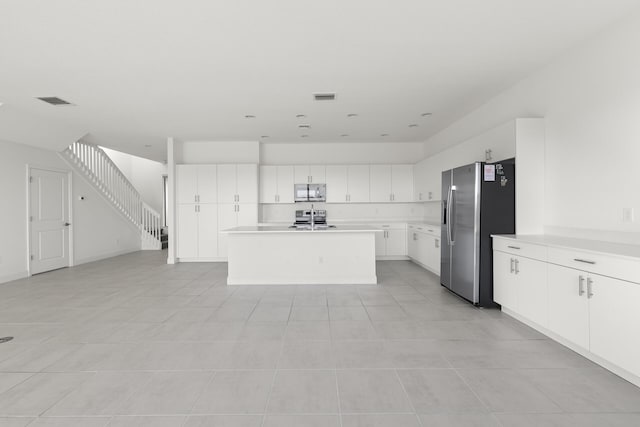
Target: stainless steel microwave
[[310, 192]]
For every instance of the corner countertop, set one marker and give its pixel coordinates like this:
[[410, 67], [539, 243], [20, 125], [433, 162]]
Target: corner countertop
[[594, 246], [259, 229]]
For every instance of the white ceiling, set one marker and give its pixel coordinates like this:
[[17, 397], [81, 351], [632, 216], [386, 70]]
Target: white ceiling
[[139, 71]]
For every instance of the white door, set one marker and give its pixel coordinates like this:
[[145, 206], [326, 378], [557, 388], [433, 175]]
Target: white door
[[337, 184], [187, 183], [381, 242], [380, 183], [227, 184], [301, 174], [568, 310], [247, 214], [533, 297], [187, 236], [505, 285], [247, 183], [207, 184], [317, 174], [396, 242], [269, 184], [614, 320], [358, 183], [49, 219], [207, 231], [402, 183], [227, 218], [285, 184]]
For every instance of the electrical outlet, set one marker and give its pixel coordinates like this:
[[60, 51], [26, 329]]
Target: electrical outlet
[[627, 215]]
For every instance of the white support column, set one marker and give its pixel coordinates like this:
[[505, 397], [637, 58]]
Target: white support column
[[172, 146]]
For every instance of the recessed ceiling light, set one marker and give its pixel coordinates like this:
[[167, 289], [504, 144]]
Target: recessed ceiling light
[[344, 134], [304, 136], [304, 126], [384, 134], [352, 115], [249, 116], [147, 145], [301, 116], [425, 114], [54, 100], [413, 125], [325, 96], [264, 136]]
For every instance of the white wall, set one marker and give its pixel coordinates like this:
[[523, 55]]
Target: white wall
[[590, 98], [341, 153], [220, 152], [99, 232], [144, 174]]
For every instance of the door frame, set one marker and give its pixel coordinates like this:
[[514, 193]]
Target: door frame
[[69, 173]]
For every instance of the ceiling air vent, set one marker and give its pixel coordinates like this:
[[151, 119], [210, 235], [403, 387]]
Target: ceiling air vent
[[324, 96], [54, 100]]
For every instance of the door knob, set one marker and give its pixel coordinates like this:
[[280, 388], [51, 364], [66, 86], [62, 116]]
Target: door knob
[[66, 224]]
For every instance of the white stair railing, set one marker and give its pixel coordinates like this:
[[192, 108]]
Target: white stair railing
[[103, 173]]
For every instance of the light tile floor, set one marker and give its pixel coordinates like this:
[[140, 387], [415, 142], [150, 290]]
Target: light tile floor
[[131, 341]]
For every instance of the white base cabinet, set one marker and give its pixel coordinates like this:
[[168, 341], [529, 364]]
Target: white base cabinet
[[424, 246], [391, 242], [570, 295]]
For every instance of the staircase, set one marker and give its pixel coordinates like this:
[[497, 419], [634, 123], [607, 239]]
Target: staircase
[[94, 164]]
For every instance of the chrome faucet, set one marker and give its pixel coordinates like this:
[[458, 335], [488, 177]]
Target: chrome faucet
[[313, 218]]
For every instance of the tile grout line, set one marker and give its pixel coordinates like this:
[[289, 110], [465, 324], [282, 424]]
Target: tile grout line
[[406, 395]]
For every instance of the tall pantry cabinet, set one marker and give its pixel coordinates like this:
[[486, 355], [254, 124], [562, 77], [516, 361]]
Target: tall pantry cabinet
[[212, 198]]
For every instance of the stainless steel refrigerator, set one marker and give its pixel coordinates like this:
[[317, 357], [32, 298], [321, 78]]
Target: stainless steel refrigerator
[[477, 200]]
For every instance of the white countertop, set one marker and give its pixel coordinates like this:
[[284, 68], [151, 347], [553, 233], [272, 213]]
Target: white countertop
[[286, 229], [594, 246]]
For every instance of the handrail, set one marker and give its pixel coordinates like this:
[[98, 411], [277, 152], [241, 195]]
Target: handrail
[[109, 179]]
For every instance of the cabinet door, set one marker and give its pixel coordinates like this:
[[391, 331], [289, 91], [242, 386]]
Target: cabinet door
[[505, 285], [337, 184], [207, 184], [247, 214], [533, 297], [186, 183], [423, 247], [614, 319], [380, 183], [419, 181], [301, 174], [396, 242], [433, 253], [317, 174], [227, 184], [247, 183], [412, 241], [568, 310], [207, 231], [285, 184], [268, 184], [381, 242], [358, 183], [402, 183], [227, 218], [187, 236]]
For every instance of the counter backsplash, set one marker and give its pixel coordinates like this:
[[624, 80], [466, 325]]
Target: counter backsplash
[[401, 212]]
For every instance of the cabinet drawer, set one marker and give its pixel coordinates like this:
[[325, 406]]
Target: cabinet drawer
[[606, 265], [516, 247]]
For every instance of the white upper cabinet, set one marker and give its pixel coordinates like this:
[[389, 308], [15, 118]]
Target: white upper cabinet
[[310, 174], [402, 183], [337, 187], [380, 183], [276, 184], [358, 183], [196, 184], [238, 183]]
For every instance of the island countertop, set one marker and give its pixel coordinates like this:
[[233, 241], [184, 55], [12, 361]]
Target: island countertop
[[286, 229]]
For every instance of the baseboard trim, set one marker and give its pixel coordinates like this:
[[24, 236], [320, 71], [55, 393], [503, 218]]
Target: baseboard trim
[[104, 256], [623, 373], [12, 277]]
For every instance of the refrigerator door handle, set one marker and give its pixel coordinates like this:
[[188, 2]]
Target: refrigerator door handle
[[448, 216], [452, 203]]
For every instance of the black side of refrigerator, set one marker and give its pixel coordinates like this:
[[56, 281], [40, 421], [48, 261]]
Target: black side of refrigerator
[[497, 216]]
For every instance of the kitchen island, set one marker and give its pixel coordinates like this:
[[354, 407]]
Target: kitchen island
[[269, 255]]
